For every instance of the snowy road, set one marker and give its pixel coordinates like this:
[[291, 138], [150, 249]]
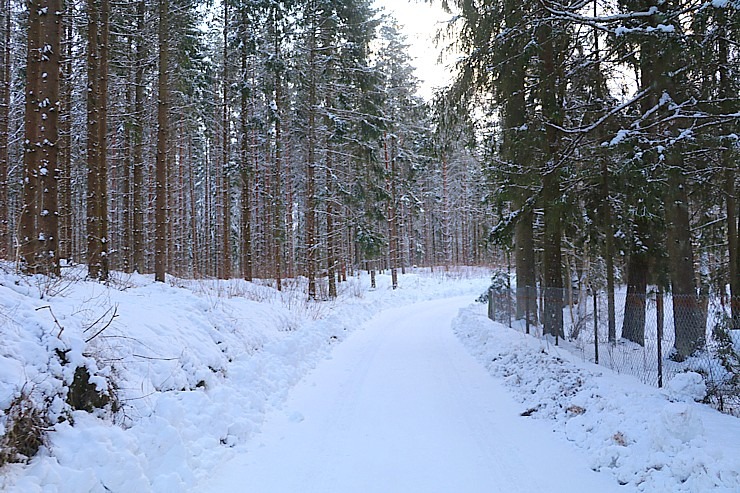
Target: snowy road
[[402, 407]]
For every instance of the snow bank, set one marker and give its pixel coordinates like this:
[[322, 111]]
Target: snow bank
[[651, 439], [194, 365]]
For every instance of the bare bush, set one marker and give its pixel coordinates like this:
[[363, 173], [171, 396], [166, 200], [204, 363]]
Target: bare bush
[[25, 430]]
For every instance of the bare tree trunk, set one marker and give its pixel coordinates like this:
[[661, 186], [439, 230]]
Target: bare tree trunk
[[93, 134], [40, 216], [552, 255], [686, 311], [245, 170], [278, 229], [732, 239], [526, 280], [446, 235], [392, 231], [4, 127], [608, 250], [139, 189], [160, 240], [729, 162], [633, 327], [330, 241], [97, 166], [67, 245], [126, 232], [226, 152], [311, 230]]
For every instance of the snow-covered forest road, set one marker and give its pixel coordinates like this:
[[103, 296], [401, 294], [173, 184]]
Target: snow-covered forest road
[[401, 406]]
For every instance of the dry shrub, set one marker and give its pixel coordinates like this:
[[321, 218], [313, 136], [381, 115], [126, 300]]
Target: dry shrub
[[25, 429]]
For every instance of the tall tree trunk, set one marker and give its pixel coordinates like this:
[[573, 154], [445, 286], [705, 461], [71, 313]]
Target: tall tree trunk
[[277, 198], [551, 196], [40, 216], [67, 245], [139, 188], [514, 149], [633, 327], [600, 91], [226, 153], [4, 130], [688, 321], [331, 260], [733, 240], [526, 287], [246, 161], [160, 219], [446, 234], [730, 164], [93, 134], [97, 169], [311, 239], [608, 250], [126, 232], [392, 228]]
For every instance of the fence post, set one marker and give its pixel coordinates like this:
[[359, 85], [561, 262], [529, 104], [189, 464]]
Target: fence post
[[508, 304], [527, 292], [596, 329], [491, 312], [659, 325], [508, 286]]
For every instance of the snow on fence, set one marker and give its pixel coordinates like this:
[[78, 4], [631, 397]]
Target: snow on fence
[[643, 334]]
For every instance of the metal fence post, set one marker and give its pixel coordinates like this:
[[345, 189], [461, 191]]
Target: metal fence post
[[526, 310], [659, 327], [491, 313], [596, 329]]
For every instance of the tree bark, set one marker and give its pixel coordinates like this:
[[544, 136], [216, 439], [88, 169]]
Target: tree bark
[[5, 249], [608, 229], [139, 188], [160, 240], [551, 195], [277, 198], [97, 168], [633, 327], [311, 243], [40, 215], [245, 158], [687, 317], [733, 240], [226, 153], [392, 231]]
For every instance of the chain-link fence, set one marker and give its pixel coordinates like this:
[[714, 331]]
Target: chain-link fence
[[652, 336]]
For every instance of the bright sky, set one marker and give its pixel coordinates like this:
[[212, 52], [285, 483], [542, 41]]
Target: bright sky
[[420, 22]]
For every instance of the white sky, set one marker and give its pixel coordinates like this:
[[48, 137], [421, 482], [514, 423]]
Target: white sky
[[420, 22]]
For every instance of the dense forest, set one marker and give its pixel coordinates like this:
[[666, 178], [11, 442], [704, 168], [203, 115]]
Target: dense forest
[[612, 141], [255, 139], [590, 143]]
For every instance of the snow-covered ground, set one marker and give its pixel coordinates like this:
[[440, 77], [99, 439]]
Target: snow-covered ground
[[195, 365], [403, 407], [204, 372], [652, 439]]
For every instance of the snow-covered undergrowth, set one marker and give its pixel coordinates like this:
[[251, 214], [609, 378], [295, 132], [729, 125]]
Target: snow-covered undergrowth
[[175, 374], [655, 440]]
